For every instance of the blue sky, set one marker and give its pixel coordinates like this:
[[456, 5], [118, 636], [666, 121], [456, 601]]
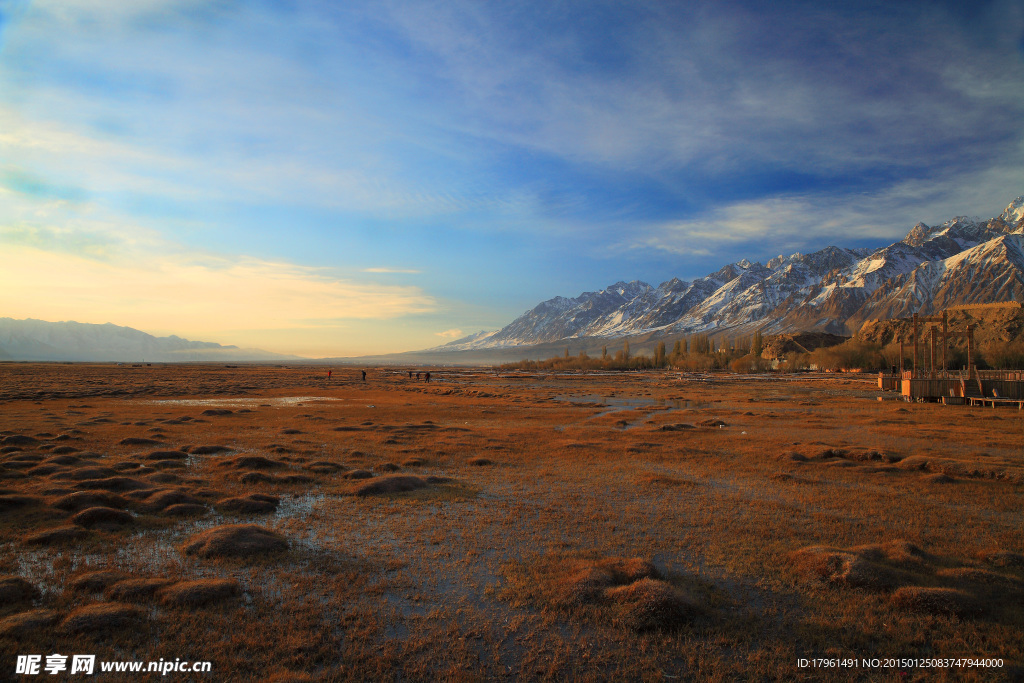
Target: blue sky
[[331, 178]]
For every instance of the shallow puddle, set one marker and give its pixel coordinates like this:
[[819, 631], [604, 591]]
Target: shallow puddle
[[244, 401]]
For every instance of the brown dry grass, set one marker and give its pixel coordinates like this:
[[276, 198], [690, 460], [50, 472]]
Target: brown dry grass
[[807, 525]]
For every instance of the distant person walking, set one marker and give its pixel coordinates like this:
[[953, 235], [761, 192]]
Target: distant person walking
[[329, 374], [428, 377], [364, 375], [410, 374], [417, 377]]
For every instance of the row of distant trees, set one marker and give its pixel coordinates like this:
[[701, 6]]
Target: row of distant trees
[[701, 352]]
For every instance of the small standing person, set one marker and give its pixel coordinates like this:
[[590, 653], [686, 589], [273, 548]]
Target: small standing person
[[364, 375], [427, 377], [329, 374]]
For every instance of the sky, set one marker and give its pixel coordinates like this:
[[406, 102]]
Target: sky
[[345, 178]]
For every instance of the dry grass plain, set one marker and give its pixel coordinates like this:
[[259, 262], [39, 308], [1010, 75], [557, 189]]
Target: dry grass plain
[[633, 526]]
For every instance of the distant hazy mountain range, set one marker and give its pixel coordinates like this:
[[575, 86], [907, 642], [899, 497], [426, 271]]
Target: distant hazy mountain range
[[835, 290], [70, 341]]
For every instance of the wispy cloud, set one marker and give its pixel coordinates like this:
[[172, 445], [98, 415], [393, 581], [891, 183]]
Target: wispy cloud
[[451, 334], [766, 226], [391, 270]]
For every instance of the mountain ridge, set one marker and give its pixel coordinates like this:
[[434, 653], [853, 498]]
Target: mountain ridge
[[833, 290], [39, 340]]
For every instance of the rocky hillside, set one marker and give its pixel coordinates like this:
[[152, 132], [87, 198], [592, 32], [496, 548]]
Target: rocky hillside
[[994, 323]]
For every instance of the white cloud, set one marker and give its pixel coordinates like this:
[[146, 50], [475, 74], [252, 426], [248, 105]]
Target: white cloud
[[800, 223], [451, 334], [391, 270]]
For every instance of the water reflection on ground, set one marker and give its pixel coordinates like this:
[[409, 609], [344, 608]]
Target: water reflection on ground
[[245, 401]]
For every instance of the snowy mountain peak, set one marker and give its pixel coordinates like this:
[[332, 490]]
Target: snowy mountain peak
[[917, 235], [835, 289], [1014, 213]]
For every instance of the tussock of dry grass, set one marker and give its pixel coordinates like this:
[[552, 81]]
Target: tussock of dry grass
[[25, 623], [1002, 558], [199, 592], [159, 500], [396, 483], [103, 518], [934, 600], [649, 604], [166, 455], [95, 582], [627, 592], [252, 462], [10, 502], [235, 540], [135, 590], [254, 503], [15, 589], [62, 535], [113, 484], [87, 499], [102, 617], [843, 567]]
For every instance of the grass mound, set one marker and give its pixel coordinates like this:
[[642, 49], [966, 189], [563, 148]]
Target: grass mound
[[199, 592], [209, 450], [256, 478], [1002, 558], [396, 483], [102, 518], [253, 462], [235, 540], [325, 467], [480, 462], [95, 582], [844, 567], [135, 590], [254, 503], [10, 502], [20, 625], [80, 500], [358, 474], [387, 467], [102, 617], [57, 536], [649, 604], [184, 510], [160, 500], [15, 589], [166, 455], [934, 600], [113, 484], [628, 592]]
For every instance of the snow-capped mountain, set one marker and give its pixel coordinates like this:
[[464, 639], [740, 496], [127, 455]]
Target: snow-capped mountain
[[963, 261]]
